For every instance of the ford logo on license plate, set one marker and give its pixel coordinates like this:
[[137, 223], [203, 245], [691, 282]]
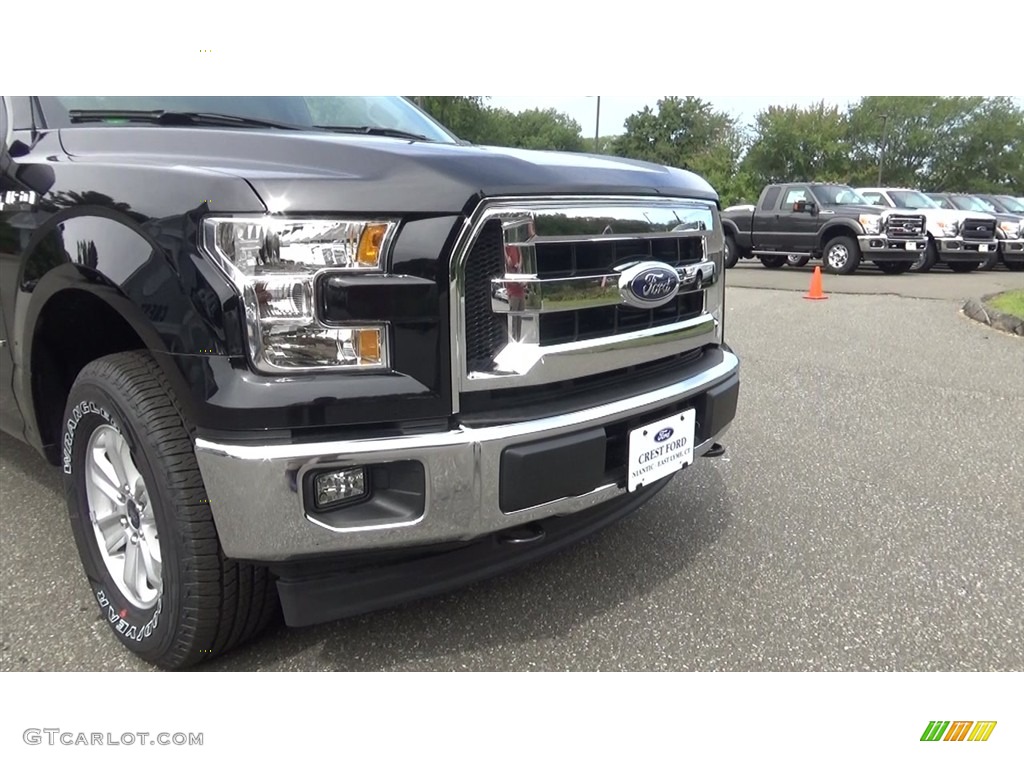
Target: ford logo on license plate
[[664, 435], [648, 285]]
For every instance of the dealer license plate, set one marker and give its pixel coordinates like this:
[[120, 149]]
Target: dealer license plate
[[911, 246], [982, 248], [661, 448]]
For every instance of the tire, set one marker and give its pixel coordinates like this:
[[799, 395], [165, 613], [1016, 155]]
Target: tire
[[773, 262], [797, 261], [1014, 266], [894, 267], [184, 602], [841, 256], [963, 266], [732, 252], [928, 259]]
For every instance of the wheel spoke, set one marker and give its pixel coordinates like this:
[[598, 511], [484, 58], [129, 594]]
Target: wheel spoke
[[134, 572], [104, 466], [151, 566], [114, 535], [102, 483], [116, 456]]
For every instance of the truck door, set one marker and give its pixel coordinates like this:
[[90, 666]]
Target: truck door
[[765, 215], [796, 231], [10, 415]]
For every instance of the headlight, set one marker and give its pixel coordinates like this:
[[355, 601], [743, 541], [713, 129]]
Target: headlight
[[872, 223], [948, 228], [273, 262], [1012, 229]]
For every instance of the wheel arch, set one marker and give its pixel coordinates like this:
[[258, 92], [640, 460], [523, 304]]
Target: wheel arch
[[93, 283], [839, 228]]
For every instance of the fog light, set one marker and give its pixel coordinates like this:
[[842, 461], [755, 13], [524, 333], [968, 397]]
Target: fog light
[[343, 485]]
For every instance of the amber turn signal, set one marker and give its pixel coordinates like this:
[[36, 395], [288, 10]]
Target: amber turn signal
[[368, 345], [370, 244]]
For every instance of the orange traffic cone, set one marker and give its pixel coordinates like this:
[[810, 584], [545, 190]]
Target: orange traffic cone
[[815, 293]]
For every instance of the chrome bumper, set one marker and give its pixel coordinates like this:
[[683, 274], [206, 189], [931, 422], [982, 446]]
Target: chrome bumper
[[256, 492], [1011, 246], [956, 248], [874, 245]]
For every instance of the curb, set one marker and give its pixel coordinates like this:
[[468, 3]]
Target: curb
[[1001, 321]]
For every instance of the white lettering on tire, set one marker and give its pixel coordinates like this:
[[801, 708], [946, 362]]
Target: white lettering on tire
[[77, 413], [120, 623]]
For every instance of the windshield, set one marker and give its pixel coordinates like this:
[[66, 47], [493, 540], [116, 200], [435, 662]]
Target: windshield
[[1012, 204], [971, 203], [911, 199], [942, 202], [374, 112], [835, 194]]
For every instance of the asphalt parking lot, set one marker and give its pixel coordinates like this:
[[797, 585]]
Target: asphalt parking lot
[[866, 516]]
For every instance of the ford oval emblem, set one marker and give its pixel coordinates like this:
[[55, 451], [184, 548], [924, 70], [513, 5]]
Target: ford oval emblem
[[664, 435], [648, 284]]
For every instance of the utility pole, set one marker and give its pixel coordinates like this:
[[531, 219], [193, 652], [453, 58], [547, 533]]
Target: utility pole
[[881, 154], [597, 126]]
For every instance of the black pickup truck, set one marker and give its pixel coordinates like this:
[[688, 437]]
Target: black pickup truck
[[316, 354], [807, 220]]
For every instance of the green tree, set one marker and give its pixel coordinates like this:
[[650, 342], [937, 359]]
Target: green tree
[[991, 155], [603, 147], [938, 143], [465, 116], [535, 129], [469, 118], [796, 144], [688, 133]]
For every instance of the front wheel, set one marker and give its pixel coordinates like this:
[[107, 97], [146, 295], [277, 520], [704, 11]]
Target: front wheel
[[141, 520], [1014, 266], [773, 262], [841, 255], [894, 267], [963, 266], [926, 259], [797, 261], [732, 252]]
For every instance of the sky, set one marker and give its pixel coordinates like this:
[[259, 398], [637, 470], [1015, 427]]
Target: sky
[[615, 109]]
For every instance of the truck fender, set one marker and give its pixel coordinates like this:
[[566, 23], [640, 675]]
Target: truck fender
[[837, 227], [106, 254]]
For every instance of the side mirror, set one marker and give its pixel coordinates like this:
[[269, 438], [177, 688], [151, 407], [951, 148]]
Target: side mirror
[[803, 206]]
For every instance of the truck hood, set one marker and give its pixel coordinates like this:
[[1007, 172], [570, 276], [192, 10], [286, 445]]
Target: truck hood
[[955, 214], [853, 211], [321, 172]]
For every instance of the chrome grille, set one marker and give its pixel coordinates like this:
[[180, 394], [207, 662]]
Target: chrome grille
[[556, 289], [978, 229], [899, 225]]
